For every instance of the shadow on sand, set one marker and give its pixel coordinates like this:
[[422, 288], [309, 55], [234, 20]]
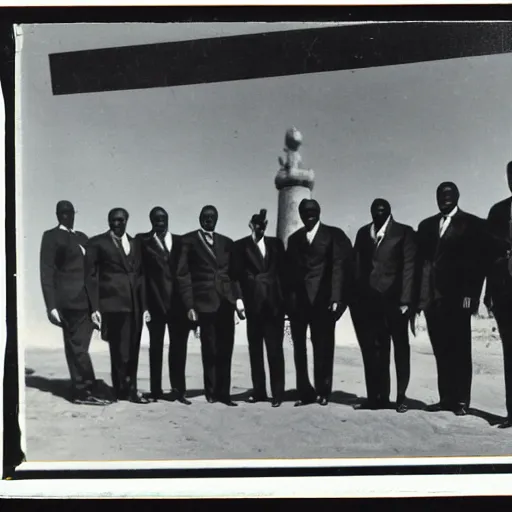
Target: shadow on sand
[[61, 388], [492, 419]]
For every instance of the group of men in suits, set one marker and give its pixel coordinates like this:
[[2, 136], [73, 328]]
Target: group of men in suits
[[115, 283]]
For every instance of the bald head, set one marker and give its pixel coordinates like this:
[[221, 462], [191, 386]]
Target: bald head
[[117, 221], [309, 211], [380, 211], [65, 214], [447, 197], [159, 220], [208, 217]]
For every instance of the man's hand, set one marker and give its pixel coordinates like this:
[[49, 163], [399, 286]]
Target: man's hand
[[192, 315], [147, 317], [337, 309], [404, 310], [240, 309], [471, 304], [466, 302], [96, 319], [54, 318]]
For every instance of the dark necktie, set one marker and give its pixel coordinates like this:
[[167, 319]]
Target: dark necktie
[[164, 245]]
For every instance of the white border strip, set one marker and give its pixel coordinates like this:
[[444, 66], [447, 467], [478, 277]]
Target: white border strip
[[257, 463], [299, 487]]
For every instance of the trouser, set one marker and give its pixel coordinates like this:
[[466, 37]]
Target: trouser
[[449, 329], [503, 315], [266, 327], [123, 332], [179, 329], [376, 323], [321, 323], [77, 329], [217, 333]]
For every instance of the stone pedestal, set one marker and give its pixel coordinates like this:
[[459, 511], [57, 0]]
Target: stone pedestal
[[293, 186]]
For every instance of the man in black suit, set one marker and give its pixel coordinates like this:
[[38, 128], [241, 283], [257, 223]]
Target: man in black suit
[[498, 294], [452, 259], [260, 265], [62, 260], [116, 288], [385, 256], [317, 261], [160, 255], [211, 294]]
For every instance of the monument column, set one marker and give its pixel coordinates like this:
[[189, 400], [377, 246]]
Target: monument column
[[294, 183]]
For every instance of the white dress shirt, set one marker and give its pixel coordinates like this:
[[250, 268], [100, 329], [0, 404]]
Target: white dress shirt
[[208, 235], [124, 242], [377, 237], [310, 235], [445, 222], [167, 240], [261, 245], [71, 231]]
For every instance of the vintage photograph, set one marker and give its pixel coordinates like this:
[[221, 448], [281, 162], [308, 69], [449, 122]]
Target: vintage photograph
[[264, 240]]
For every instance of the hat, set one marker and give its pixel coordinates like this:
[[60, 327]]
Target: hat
[[65, 206], [259, 218]]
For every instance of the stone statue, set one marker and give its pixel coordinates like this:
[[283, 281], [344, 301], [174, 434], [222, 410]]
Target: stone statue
[[294, 182]]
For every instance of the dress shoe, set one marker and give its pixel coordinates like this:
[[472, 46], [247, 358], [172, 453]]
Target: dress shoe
[[366, 405], [182, 400], [461, 410], [322, 400], [86, 398], [506, 424], [210, 399], [401, 407], [255, 398], [276, 403], [300, 403], [229, 402], [440, 406], [154, 397], [137, 398]]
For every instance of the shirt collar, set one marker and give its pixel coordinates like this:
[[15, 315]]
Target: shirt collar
[[211, 233], [258, 242], [65, 228], [313, 232], [122, 238], [452, 213]]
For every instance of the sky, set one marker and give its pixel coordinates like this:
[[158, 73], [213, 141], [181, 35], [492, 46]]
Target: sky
[[394, 132]]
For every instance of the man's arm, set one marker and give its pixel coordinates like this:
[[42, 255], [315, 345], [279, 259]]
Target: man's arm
[[91, 274], [341, 253], [409, 262], [142, 275], [47, 270], [183, 276]]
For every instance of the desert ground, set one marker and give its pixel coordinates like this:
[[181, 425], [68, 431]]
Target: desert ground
[[58, 430]]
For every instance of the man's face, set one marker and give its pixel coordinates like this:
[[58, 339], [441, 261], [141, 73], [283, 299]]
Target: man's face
[[447, 198], [309, 216], [380, 211], [117, 223], [160, 221], [67, 218], [208, 219], [258, 228]]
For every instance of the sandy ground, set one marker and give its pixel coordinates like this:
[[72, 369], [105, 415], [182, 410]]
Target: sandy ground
[[59, 430]]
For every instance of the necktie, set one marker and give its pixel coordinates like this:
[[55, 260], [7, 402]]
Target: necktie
[[164, 245], [209, 238], [444, 219]]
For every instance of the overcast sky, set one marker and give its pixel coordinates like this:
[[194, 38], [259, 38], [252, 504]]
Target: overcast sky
[[393, 132]]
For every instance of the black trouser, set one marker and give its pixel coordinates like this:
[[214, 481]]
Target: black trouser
[[321, 323], [179, 329], [123, 332], [503, 314], [449, 329], [266, 326], [217, 332], [77, 329], [377, 322]]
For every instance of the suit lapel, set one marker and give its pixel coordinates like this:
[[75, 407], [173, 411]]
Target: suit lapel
[[206, 246], [386, 239], [254, 252]]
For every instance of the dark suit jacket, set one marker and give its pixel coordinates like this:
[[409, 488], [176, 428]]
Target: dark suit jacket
[[161, 275], [499, 281], [205, 279], [454, 266], [260, 278], [389, 268], [115, 283], [62, 270], [318, 273]]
